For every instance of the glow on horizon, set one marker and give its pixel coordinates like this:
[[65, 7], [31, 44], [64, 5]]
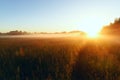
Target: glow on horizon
[[93, 24], [57, 15]]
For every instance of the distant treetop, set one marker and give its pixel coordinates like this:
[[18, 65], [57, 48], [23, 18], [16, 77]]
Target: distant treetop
[[112, 28]]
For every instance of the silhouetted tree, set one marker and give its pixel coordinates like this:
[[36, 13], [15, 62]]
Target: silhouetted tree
[[117, 21], [16, 32], [112, 28]]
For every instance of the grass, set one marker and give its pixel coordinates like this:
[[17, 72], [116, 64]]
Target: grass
[[58, 59]]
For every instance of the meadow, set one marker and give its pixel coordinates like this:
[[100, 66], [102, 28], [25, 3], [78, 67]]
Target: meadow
[[59, 58]]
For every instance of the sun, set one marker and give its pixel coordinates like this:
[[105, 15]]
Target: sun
[[92, 34], [92, 25]]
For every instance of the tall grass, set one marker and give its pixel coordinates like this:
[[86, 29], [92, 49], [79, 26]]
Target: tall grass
[[58, 59]]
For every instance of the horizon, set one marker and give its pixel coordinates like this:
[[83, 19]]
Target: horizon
[[57, 16], [73, 31]]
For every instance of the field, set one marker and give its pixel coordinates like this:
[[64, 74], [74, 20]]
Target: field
[[59, 58]]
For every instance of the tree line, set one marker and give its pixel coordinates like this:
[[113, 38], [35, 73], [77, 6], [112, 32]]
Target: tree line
[[112, 28], [16, 32]]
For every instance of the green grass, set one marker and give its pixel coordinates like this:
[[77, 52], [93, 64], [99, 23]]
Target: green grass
[[58, 59]]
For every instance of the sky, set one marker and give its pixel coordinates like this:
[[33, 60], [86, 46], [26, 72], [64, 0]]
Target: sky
[[57, 15]]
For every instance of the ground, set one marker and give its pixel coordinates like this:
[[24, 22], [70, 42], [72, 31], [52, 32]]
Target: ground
[[60, 58]]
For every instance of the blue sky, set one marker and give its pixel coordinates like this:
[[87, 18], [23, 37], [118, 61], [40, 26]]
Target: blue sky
[[56, 15]]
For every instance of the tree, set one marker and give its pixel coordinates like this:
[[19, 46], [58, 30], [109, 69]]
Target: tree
[[16, 32], [112, 28]]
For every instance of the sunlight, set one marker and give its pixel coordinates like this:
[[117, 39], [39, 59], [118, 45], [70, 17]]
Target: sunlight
[[92, 35], [92, 32], [92, 25]]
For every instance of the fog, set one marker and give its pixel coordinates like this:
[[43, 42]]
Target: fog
[[41, 36]]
